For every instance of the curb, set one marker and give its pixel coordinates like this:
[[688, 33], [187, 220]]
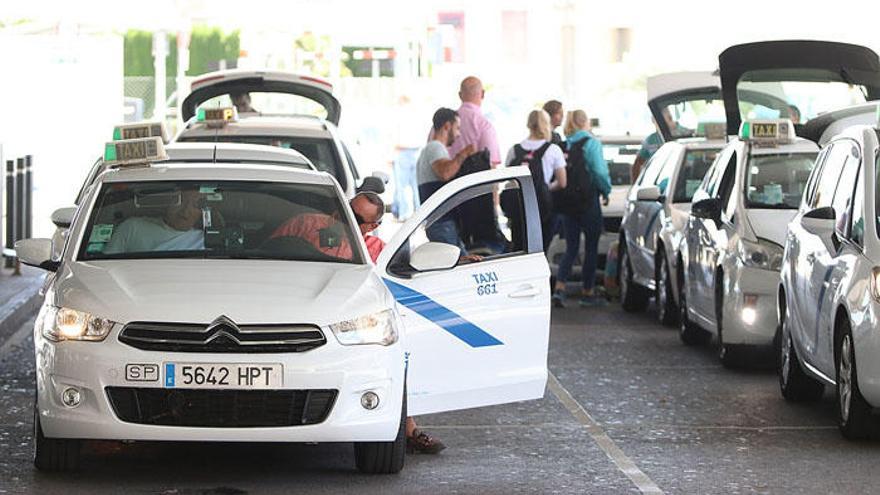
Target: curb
[[15, 315]]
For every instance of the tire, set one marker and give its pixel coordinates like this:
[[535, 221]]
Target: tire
[[383, 457], [688, 331], [667, 311], [794, 383], [731, 356], [54, 454], [633, 297], [853, 412]]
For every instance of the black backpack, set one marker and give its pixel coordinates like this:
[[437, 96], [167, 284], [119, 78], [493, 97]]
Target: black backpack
[[579, 191], [533, 158]]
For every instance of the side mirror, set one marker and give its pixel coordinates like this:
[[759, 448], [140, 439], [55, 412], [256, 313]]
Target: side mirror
[[434, 256], [709, 209], [648, 193], [373, 184], [63, 217], [36, 252], [819, 222]]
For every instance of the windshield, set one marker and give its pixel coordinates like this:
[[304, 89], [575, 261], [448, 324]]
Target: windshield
[[690, 176], [777, 181], [268, 104], [219, 220], [321, 152], [798, 94], [620, 158]]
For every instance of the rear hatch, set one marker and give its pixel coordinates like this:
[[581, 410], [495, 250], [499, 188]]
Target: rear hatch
[[686, 104], [271, 93], [800, 80]]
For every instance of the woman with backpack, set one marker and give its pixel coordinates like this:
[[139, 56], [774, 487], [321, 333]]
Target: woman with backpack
[[546, 164], [580, 208]]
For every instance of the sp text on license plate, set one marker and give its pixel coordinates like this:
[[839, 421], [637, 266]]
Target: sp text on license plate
[[217, 375]]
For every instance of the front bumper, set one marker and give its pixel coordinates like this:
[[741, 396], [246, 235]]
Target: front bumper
[[91, 367], [750, 316]]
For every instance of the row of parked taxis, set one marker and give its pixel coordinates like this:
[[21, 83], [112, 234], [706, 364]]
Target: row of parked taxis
[[768, 233], [217, 287]]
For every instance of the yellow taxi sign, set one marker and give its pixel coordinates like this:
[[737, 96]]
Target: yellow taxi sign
[[767, 132], [134, 151], [139, 130], [217, 117]]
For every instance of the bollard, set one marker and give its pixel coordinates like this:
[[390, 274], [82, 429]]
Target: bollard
[[20, 194], [10, 210], [28, 197]]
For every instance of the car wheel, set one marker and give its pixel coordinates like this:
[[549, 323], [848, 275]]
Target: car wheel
[[54, 454], [795, 384], [667, 312], [383, 457], [633, 297], [853, 412], [729, 355], [688, 331]]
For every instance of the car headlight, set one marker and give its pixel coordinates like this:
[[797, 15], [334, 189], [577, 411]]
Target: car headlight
[[57, 324], [377, 328], [762, 254]]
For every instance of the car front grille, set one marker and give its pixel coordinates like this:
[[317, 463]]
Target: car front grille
[[224, 337], [220, 408]]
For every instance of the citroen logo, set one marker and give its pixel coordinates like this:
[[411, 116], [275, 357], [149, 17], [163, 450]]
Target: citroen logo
[[222, 329]]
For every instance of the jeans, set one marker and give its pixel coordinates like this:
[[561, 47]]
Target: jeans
[[590, 223], [445, 231], [406, 188]]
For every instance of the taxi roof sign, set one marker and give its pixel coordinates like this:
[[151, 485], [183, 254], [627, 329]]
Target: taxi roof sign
[[139, 130], [134, 151], [217, 117], [767, 132]]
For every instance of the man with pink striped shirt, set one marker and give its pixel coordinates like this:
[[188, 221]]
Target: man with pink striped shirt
[[475, 128]]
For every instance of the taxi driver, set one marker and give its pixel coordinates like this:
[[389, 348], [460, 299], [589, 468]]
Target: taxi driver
[[177, 230]]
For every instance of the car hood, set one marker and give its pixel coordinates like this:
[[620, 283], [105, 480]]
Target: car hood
[[198, 291], [771, 224]]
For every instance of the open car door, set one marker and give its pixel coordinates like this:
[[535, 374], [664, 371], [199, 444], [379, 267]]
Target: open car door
[[226, 82], [795, 79], [476, 332]]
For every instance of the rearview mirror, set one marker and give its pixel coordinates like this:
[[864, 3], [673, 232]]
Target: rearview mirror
[[384, 177], [372, 184], [434, 256], [648, 193], [36, 252], [709, 209], [63, 217]]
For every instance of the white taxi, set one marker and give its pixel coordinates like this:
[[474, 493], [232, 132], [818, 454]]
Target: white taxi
[[732, 248], [237, 302], [653, 224], [829, 296], [279, 109]]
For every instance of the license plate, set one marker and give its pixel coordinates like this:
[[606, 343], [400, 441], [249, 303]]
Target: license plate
[[216, 375]]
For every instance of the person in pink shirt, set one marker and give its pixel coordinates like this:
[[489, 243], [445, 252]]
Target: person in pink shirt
[[476, 130]]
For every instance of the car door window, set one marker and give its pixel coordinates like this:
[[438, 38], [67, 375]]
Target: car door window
[[665, 173], [470, 221], [810, 190], [725, 189], [831, 170], [857, 230], [843, 194], [655, 165]]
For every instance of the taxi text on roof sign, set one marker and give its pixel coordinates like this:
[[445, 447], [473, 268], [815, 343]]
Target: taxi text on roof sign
[[140, 130], [134, 151], [767, 132]]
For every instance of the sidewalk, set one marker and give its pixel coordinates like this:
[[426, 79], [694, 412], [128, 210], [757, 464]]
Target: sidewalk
[[19, 299]]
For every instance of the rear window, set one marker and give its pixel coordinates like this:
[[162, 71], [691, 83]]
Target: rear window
[[620, 158], [778, 181], [690, 176], [219, 220], [268, 104], [321, 152]]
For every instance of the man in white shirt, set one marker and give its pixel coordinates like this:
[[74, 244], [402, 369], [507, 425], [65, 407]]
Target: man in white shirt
[[175, 231]]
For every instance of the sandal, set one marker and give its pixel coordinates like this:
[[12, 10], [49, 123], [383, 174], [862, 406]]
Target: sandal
[[423, 443]]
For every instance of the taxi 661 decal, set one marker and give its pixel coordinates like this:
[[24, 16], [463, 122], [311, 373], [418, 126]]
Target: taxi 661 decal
[[486, 283]]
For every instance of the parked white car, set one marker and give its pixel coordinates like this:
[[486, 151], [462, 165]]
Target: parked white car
[[656, 213], [237, 302]]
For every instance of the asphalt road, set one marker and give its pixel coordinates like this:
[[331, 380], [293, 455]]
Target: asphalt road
[[628, 408]]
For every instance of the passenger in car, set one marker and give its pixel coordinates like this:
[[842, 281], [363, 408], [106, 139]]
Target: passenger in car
[[175, 231], [242, 102]]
